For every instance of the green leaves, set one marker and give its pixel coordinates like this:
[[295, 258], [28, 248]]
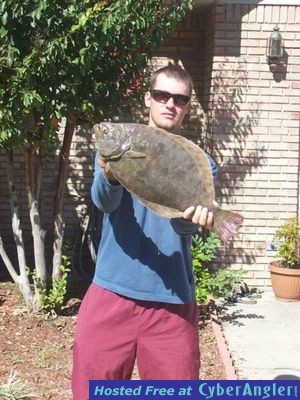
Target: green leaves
[[4, 18], [289, 248], [207, 284], [52, 298], [60, 58], [30, 98]]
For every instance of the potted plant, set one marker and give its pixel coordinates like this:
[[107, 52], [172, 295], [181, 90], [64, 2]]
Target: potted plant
[[285, 271]]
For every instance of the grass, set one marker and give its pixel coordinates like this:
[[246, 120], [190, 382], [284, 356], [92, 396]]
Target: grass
[[15, 389]]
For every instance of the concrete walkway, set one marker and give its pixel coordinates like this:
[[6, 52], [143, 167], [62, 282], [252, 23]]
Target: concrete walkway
[[263, 338]]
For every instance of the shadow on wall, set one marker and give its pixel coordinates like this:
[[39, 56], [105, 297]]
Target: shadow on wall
[[280, 70], [232, 122], [232, 119]]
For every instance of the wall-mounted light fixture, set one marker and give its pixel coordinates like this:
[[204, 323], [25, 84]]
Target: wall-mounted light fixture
[[274, 50]]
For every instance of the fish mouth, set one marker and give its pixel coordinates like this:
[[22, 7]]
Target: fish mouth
[[104, 144], [110, 143], [105, 126]]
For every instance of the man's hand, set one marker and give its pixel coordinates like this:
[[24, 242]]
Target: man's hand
[[109, 176], [199, 215]]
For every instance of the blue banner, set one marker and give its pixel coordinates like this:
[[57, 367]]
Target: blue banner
[[195, 390]]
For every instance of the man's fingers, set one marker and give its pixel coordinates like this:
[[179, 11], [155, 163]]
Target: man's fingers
[[188, 213], [102, 162], [199, 215], [210, 220]]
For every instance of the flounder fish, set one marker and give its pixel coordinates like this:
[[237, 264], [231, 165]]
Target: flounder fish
[[166, 172]]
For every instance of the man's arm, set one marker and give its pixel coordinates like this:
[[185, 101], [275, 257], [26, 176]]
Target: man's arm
[[106, 193]]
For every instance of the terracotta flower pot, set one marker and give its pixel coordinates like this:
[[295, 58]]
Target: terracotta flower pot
[[285, 282]]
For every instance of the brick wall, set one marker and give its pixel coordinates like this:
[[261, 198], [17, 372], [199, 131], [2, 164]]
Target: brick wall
[[254, 127]]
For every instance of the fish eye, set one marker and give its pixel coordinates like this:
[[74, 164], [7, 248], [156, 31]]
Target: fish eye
[[125, 146]]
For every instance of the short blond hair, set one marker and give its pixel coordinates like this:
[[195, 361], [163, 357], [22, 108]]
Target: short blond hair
[[172, 71]]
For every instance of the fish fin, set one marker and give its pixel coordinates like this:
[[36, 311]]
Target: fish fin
[[134, 154], [226, 224]]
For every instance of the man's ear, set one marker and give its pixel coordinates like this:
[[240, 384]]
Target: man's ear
[[147, 99]]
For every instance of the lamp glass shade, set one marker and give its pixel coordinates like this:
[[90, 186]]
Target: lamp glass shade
[[275, 45]]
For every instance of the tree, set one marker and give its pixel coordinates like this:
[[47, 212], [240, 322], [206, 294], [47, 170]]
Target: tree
[[72, 59]]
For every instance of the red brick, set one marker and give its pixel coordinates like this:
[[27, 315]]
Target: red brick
[[283, 14], [295, 116], [260, 13], [296, 85], [291, 14]]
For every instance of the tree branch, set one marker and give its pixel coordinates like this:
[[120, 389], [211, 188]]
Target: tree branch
[[7, 262], [38, 233], [22, 279], [59, 225], [14, 204]]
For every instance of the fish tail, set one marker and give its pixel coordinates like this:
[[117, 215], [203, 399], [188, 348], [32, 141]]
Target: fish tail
[[226, 224]]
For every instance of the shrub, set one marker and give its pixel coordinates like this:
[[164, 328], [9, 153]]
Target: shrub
[[207, 284], [289, 248], [52, 298]]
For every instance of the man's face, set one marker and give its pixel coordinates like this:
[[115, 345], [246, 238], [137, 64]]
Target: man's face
[[168, 114]]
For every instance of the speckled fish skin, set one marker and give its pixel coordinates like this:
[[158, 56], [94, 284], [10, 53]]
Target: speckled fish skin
[[166, 172]]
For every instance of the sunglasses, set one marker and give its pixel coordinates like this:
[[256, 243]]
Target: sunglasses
[[161, 96]]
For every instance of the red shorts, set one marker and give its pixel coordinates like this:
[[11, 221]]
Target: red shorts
[[113, 331]]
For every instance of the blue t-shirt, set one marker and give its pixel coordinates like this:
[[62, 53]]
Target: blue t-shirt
[[142, 255]]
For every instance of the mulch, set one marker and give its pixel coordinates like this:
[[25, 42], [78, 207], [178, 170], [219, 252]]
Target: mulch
[[38, 349]]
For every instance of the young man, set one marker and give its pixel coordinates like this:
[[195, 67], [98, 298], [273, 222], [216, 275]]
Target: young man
[[141, 305]]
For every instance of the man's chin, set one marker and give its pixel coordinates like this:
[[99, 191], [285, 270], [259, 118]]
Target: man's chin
[[167, 125]]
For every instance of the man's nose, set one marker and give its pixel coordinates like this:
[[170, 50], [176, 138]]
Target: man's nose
[[170, 102]]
